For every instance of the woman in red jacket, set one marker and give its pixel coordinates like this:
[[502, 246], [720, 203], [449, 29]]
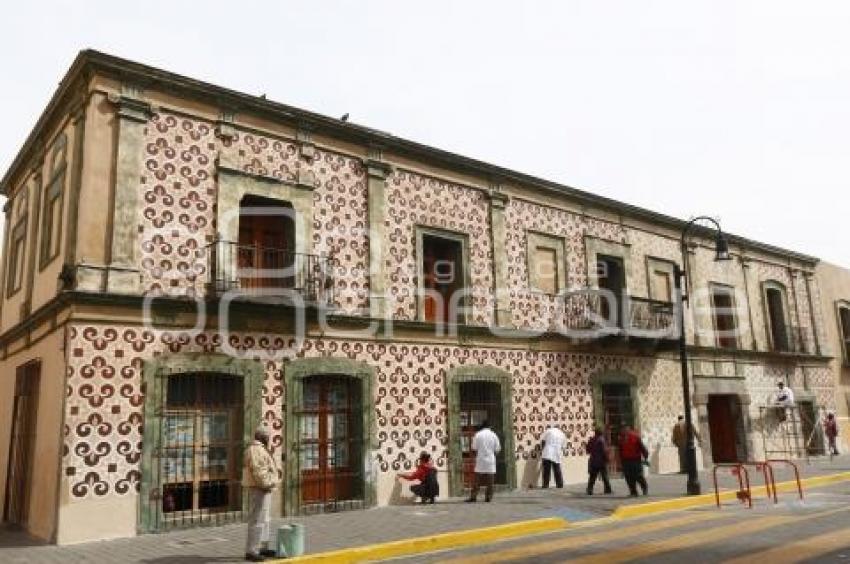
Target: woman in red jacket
[[427, 489]]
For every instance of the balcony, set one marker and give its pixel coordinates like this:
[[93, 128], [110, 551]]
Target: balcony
[[590, 314], [260, 273], [789, 339]]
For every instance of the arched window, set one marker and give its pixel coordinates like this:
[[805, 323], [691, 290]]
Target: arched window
[[780, 334], [51, 218]]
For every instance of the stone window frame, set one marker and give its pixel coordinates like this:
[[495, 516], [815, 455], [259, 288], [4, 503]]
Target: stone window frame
[[843, 338], [536, 239], [252, 373], [53, 194], [712, 286], [465, 313], [295, 371], [658, 264], [18, 233], [786, 312], [454, 377], [603, 377], [234, 185], [594, 246]]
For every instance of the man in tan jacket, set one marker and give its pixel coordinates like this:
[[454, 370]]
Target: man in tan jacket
[[260, 476], [680, 440]]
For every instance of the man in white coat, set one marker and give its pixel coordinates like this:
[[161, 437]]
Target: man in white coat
[[486, 445], [554, 440]]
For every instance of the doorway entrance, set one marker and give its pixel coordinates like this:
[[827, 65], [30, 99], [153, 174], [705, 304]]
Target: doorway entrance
[[265, 250], [20, 461], [611, 276], [725, 424], [617, 412], [442, 276], [481, 401], [329, 443]]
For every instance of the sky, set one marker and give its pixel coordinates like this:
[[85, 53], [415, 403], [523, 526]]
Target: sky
[[735, 109]]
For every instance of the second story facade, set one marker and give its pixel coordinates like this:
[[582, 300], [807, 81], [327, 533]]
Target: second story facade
[[139, 182]]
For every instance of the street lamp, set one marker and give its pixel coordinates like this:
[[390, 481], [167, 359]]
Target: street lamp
[[721, 253]]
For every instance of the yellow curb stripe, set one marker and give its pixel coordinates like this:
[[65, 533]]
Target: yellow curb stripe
[[433, 543], [805, 549], [698, 538], [588, 538], [643, 509]]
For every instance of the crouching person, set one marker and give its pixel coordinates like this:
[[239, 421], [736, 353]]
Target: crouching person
[[427, 489], [260, 476]]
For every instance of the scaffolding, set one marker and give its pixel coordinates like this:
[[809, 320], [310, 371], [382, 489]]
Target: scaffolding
[[789, 432]]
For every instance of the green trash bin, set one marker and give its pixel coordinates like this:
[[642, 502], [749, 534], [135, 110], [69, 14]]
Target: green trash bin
[[290, 540]]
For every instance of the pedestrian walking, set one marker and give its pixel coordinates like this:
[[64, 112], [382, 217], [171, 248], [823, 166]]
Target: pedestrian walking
[[486, 445], [830, 427], [553, 442], [680, 440], [597, 461], [633, 454], [260, 476], [428, 488]]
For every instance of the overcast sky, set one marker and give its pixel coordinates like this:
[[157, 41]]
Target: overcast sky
[[736, 109]]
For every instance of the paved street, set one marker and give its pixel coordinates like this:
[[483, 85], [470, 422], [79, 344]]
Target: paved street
[[816, 531], [357, 528]]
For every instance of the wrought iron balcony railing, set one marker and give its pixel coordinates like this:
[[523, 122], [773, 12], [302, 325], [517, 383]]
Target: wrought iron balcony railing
[[592, 312], [257, 271], [790, 339]]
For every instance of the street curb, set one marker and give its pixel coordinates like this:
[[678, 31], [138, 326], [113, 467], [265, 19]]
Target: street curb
[[653, 507], [431, 543], [458, 539]]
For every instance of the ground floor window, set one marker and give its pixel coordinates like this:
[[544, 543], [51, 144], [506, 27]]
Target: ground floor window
[[617, 412], [480, 401], [330, 446], [200, 445]]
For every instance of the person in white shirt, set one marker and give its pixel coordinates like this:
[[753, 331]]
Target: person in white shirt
[[486, 445], [553, 442], [784, 400], [785, 395]]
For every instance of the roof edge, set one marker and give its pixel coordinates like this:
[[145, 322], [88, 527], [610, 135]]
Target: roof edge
[[144, 75]]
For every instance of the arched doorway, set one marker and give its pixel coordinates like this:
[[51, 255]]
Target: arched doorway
[[475, 394], [329, 436]]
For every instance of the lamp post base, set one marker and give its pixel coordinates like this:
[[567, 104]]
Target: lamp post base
[[694, 487]]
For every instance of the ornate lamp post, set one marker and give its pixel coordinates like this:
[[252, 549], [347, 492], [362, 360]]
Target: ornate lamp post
[[721, 250]]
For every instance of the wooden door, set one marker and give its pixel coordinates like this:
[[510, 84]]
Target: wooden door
[[24, 419], [327, 444], [442, 273], [264, 245], [722, 425]]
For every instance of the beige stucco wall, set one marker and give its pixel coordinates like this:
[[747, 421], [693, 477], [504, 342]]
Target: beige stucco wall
[[48, 443], [834, 285]]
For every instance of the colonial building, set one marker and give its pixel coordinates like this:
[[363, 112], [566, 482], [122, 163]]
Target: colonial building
[[182, 261]]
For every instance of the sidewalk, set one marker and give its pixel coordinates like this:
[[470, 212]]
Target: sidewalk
[[357, 528]]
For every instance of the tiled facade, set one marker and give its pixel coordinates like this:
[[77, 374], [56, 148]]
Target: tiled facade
[[366, 193]]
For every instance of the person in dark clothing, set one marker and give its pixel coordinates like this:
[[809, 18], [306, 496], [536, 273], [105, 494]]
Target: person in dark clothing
[[428, 488], [597, 463], [633, 453]]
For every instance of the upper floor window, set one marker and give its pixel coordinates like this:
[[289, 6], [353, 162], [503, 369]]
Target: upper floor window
[[442, 267], [662, 286], [265, 251], [844, 326], [16, 260], [51, 218], [611, 276], [546, 266], [723, 313], [777, 317]]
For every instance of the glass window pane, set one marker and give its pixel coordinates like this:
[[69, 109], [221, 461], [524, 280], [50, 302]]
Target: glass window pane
[[309, 426], [179, 429], [214, 460], [177, 464], [215, 427], [311, 395], [310, 456]]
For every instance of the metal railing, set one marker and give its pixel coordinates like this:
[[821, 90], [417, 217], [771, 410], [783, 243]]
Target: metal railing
[[642, 317], [254, 270], [791, 339]]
